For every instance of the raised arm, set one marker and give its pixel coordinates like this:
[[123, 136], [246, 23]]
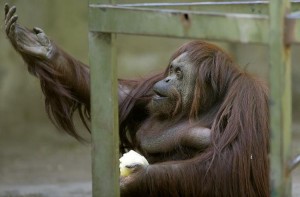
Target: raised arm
[[64, 79], [45, 59]]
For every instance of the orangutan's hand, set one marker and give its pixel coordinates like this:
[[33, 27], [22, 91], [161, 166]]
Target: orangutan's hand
[[34, 43]]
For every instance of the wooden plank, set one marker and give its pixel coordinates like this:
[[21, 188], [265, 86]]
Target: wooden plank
[[249, 7], [244, 28], [104, 110], [252, 7], [280, 103]]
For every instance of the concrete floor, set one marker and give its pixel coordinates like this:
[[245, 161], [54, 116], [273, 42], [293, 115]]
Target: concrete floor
[[49, 164], [45, 163], [77, 189]]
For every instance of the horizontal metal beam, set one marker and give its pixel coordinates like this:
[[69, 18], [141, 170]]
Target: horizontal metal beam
[[244, 28], [250, 7], [254, 7]]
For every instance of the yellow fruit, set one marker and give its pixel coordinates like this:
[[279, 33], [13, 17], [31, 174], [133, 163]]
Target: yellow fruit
[[130, 158], [124, 171]]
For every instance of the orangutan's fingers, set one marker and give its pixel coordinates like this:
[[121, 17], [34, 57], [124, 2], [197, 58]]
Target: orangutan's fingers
[[10, 13], [6, 8], [11, 22], [38, 30], [12, 28]]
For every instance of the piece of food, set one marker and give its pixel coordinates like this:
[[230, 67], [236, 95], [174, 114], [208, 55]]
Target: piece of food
[[129, 161]]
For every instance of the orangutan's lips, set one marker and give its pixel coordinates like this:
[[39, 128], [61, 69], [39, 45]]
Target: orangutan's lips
[[158, 96]]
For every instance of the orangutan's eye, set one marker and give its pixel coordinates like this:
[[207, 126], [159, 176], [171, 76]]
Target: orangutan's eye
[[171, 70], [178, 73]]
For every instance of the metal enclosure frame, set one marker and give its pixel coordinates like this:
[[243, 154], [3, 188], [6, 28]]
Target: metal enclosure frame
[[275, 23]]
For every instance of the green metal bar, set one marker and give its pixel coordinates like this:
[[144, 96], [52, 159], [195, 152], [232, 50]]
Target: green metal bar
[[104, 109], [280, 104], [250, 7], [105, 144], [243, 28], [220, 7]]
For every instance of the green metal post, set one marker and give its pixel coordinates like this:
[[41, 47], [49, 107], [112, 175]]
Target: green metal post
[[280, 104], [104, 110]]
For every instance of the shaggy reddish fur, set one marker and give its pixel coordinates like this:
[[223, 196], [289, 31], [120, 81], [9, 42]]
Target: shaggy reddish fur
[[229, 101]]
